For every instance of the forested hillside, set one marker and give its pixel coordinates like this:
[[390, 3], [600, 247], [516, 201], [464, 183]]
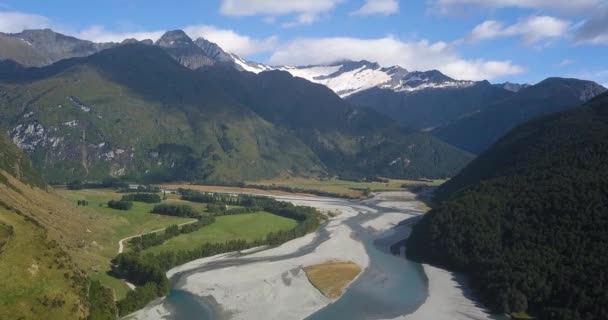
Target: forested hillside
[[527, 220], [350, 141], [133, 111]]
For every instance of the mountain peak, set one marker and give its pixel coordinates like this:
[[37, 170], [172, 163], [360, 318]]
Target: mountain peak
[[174, 39], [213, 50]]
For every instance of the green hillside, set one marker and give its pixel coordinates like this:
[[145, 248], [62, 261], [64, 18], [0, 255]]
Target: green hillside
[[351, 142], [478, 131], [37, 275], [134, 111], [527, 219], [430, 108]]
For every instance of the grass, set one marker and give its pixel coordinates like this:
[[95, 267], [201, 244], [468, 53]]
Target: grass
[[32, 271], [349, 188], [252, 226], [126, 223], [521, 315], [116, 225], [332, 278], [5, 235], [343, 187]]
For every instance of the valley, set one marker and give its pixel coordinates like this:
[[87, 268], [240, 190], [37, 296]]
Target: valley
[[273, 283], [318, 160]]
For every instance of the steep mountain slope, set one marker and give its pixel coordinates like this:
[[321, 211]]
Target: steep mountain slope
[[38, 48], [37, 276], [527, 219], [432, 107], [478, 131], [184, 50], [132, 110], [350, 141], [16, 164]]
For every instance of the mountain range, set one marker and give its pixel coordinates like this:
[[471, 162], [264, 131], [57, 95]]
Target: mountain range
[[80, 108], [135, 110]]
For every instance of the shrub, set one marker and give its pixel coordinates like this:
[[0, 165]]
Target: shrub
[[120, 204]]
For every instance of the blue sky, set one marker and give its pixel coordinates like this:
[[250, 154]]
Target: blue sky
[[499, 40]]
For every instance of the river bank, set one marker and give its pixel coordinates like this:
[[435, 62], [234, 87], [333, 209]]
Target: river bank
[[271, 284]]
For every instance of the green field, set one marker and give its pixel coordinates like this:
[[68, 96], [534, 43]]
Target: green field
[[117, 224], [126, 223], [252, 226], [344, 187]]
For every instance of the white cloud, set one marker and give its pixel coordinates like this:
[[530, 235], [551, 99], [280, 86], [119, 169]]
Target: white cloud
[[565, 62], [387, 51], [100, 34], [564, 6], [595, 29], [301, 20], [231, 41], [12, 22], [275, 7], [305, 12], [532, 29], [385, 7]]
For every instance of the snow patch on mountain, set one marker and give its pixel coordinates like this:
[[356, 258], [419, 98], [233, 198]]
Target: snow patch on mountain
[[348, 77]]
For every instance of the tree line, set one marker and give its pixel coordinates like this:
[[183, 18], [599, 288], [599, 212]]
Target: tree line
[[147, 270], [155, 239], [142, 197], [176, 210]]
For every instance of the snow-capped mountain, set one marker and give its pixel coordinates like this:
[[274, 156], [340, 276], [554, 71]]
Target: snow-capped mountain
[[349, 77], [345, 77]]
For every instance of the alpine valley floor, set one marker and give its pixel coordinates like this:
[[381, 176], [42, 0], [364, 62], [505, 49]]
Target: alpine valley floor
[[271, 284]]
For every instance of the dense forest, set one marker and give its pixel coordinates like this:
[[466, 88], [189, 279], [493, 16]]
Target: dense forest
[[148, 270], [527, 220]]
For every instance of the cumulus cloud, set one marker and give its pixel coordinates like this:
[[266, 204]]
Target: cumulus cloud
[[99, 33], [305, 12], [12, 22], [564, 6], [531, 30], [387, 51], [594, 30], [229, 40], [385, 7], [232, 41]]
